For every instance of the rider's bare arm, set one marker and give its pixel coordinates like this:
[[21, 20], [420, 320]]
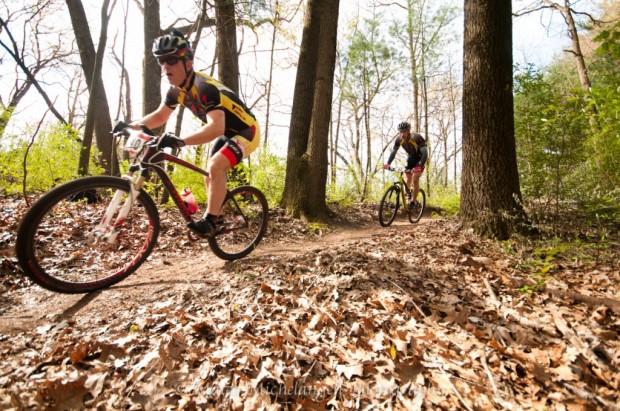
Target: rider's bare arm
[[213, 129]]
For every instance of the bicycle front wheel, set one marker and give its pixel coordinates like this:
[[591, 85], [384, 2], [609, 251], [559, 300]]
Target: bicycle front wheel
[[389, 206], [60, 243], [246, 213], [415, 212]]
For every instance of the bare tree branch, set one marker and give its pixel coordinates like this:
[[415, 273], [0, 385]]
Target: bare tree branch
[[20, 62]]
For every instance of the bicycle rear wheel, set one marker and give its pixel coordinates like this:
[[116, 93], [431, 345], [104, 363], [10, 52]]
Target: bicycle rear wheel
[[246, 215], [59, 243], [415, 212], [389, 206]]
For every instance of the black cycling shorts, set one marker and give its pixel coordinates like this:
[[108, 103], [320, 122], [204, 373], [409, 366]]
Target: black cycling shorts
[[230, 148]]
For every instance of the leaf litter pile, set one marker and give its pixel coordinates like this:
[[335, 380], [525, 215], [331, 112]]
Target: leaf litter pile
[[423, 316]]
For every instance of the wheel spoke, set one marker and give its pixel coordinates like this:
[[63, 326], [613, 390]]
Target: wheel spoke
[[65, 249]]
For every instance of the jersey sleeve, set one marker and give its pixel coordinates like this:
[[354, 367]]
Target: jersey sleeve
[[395, 148], [172, 98], [423, 155]]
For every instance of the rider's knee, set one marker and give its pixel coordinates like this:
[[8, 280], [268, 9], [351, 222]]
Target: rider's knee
[[218, 167]]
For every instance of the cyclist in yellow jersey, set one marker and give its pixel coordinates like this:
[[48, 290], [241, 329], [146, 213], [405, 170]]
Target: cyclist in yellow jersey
[[226, 120], [417, 153]]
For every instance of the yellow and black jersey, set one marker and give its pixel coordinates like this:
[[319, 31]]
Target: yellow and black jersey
[[207, 94], [415, 146]]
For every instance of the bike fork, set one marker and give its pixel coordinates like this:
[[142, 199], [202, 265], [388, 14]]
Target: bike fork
[[108, 231]]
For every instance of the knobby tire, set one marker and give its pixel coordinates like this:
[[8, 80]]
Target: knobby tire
[[246, 214], [55, 246], [389, 206], [415, 213]]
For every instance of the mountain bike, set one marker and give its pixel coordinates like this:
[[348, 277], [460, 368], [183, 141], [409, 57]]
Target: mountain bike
[[93, 232], [391, 201]]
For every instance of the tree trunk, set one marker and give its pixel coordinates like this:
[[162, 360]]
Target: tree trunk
[[151, 86], [582, 69], [490, 194], [123, 110], [336, 133], [296, 184], [91, 64], [427, 135], [228, 59], [276, 23], [319, 130]]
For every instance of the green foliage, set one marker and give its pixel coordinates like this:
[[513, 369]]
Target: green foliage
[[267, 173], [529, 289], [568, 139], [446, 198], [5, 116], [601, 172], [551, 133], [610, 42], [51, 160], [607, 209], [317, 227], [348, 189], [185, 178]]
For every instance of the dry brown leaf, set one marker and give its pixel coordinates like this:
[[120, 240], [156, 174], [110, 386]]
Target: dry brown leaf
[[60, 394], [350, 370]]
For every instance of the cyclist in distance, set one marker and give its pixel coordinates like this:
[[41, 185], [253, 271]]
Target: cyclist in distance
[[226, 119], [417, 153]]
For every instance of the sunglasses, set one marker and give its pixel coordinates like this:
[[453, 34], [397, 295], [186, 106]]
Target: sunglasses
[[169, 60]]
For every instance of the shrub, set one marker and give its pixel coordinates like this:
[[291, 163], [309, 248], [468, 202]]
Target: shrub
[[51, 160]]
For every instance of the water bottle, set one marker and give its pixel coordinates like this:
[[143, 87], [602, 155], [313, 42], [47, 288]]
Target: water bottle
[[189, 200]]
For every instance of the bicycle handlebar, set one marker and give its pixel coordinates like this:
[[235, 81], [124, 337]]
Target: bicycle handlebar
[[136, 138], [397, 169], [127, 131]]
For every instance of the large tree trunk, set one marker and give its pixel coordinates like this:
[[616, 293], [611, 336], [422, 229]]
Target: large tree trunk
[[295, 184], [490, 194], [101, 122], [151, 86], [228, 59], [319, 129]]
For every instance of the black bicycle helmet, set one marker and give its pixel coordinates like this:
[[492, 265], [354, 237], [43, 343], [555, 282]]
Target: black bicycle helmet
[[173, 44], [404, 126]]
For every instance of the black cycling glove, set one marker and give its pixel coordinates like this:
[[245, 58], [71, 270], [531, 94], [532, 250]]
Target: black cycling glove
[[168, 140], [119, 126]]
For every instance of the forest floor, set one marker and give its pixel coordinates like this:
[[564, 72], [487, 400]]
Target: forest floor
[[344, 316]]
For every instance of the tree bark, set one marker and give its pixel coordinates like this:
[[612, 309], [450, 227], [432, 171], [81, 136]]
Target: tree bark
[[276, 23], [151, 86], [490, 193], [295, 184], [91, 64], [580, 62], [319, 129], [226, 39], [412, 44]]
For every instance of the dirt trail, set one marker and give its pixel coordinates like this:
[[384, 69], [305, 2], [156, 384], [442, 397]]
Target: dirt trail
[[411, 316], [164, 273]]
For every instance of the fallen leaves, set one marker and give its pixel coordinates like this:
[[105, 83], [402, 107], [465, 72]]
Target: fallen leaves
[[411, 317]]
